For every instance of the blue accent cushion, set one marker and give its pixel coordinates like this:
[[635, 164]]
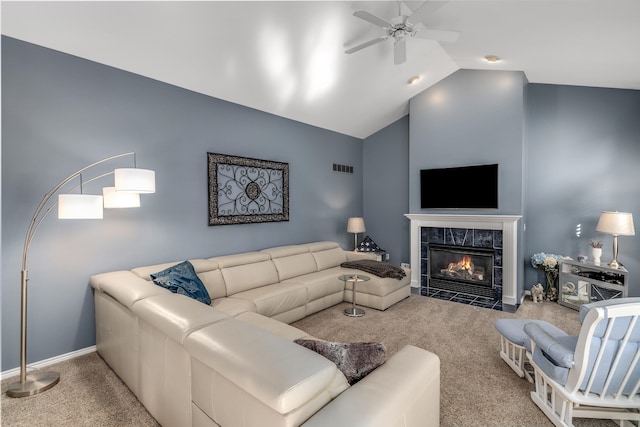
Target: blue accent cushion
[[182, 279]]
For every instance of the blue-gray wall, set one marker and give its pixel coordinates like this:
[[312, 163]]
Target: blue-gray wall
[[386, 189], [471, 117], [60, 113], [583, 158], [565, 154]]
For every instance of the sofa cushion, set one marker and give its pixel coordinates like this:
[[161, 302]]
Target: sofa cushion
[[320, 284], [355, 360], [275, 299], [329, 258], [182, 279], [292, 261], [247, 271], [295, 265], [287, 332]]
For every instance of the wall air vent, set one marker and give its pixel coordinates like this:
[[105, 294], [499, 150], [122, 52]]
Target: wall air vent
[[342, 168]]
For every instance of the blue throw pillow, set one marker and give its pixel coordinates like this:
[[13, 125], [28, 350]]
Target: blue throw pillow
[[182, 279]]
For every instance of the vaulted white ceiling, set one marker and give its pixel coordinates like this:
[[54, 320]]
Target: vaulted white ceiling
[[287, 58]]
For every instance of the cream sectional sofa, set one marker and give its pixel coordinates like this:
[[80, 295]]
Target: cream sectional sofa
[[234, 363]]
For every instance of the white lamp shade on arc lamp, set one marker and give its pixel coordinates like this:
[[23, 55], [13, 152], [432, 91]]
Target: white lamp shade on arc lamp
[[72, 206], [135, 180], [119, 199], [355, 225], [618, 224], [79, 206]]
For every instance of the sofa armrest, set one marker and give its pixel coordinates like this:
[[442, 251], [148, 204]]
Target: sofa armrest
[[126, 287], [404, 391], [561, 355], [261, 371]]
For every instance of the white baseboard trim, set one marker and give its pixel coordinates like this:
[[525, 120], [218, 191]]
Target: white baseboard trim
[[48, 362]]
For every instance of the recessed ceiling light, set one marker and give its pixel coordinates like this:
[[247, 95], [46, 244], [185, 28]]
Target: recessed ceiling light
[[491, 58], [414, 80]]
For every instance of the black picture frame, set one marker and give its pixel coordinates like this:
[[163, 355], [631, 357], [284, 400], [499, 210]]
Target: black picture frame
[[243, 190]]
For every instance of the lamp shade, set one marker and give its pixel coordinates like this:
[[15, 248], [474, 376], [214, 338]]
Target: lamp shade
[[355, 225], [135, 180], [79, 206], [119, 199], [618, 223]]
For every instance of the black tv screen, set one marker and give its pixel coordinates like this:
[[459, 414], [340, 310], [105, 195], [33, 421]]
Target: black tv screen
[[465, 187]]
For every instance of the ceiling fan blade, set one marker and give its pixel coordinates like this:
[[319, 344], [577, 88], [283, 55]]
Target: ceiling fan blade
[[400, 51], [367, 44], [438, 35], [369, 17], [425, 9]]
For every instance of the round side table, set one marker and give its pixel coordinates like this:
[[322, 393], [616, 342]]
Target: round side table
[[353, 279]]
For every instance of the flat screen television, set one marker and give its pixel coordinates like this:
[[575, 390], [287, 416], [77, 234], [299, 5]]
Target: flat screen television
[[464, 187]]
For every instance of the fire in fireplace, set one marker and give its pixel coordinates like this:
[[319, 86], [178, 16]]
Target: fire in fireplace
[[464, 269], [460, 268]]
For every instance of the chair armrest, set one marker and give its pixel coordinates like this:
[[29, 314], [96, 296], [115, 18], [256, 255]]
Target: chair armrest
[[561, 355]]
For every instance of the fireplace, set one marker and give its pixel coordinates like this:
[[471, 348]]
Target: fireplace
[[499, 232], [461, 269]]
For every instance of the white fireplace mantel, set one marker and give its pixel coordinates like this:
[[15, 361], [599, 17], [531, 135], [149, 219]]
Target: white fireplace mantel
[[507, 223]]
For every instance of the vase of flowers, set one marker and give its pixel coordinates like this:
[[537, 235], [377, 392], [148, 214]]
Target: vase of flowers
[[596, 250], [548, 263]]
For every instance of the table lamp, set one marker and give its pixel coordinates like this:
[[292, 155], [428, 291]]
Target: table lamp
[[355, 226], [618, 224]]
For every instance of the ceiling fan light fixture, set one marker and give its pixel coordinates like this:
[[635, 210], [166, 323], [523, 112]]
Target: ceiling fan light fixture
[[413, 80], [491, 59]]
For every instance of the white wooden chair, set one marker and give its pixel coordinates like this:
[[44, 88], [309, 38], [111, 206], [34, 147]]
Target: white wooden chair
[[593, 375]]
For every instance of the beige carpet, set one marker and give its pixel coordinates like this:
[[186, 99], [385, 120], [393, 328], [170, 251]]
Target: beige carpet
[[477, 387]]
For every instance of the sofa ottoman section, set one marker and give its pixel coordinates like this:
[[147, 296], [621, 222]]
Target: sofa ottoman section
[[245, 376], [379, 293]]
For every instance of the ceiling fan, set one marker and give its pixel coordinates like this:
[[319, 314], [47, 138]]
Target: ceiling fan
[[402, 27]]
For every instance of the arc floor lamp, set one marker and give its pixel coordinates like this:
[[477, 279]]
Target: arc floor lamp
[[129, 184]]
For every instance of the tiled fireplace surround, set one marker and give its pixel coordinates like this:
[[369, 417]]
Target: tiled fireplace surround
[[498, 232]]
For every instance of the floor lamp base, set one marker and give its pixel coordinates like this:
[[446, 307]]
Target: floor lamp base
[[36, 382]]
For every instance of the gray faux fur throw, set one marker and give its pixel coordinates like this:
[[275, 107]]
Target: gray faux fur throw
[[355, 360], [380, 269]]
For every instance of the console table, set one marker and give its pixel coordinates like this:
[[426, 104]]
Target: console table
[[581, 283]]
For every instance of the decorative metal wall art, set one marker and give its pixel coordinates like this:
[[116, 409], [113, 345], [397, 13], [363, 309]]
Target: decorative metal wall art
[[244, 190]]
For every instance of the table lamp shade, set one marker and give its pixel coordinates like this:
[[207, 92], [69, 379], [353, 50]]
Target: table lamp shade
[[617, 223], [355, 225]]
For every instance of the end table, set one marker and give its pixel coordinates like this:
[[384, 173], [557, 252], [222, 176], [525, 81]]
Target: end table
[[353, 279]]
